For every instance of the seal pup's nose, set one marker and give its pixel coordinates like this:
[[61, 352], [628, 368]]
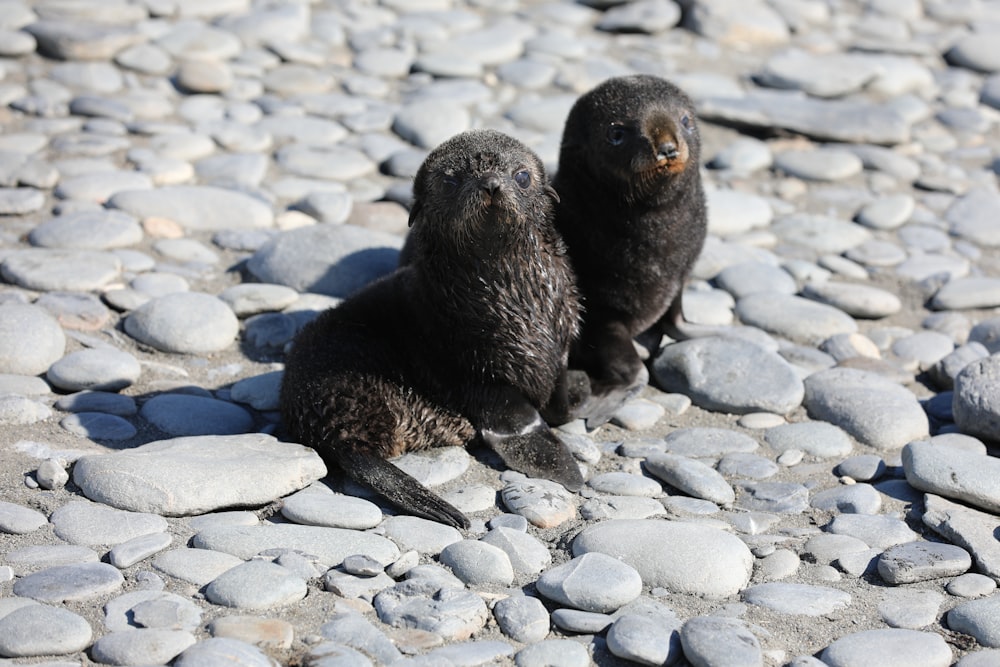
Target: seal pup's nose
[[490, 183], [667, 151]]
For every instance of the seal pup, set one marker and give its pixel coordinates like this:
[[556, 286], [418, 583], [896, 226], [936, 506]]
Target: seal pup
[[466, 341], [633, 215]]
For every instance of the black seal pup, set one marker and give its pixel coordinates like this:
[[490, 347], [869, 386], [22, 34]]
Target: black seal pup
[[468, 339], [633, 216]]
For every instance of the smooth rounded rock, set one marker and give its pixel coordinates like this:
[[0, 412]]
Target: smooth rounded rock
[[692, 477], [797, 599], [922, 561], [186, 322], [39, 629], [666, 554], [798, 319], [31, 340], [256, 584], [716, 640], [592, 582], [141, 646], [729, 375], [186, 415], [178, 477], [99, 369], [976, 401], [876, 411], [196, 207], [893, 646]]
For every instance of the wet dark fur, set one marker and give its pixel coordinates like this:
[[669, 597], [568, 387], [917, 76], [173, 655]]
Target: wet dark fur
[[633, 215], [468, 339]]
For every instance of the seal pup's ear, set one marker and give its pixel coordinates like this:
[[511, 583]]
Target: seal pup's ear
[[551, 192], [414, 212]]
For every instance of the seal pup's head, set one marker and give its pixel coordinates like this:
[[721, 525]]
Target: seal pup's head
[[480, 189], [633, 133]]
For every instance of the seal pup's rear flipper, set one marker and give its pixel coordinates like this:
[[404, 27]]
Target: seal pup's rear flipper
[[397, 487], [539, 454]]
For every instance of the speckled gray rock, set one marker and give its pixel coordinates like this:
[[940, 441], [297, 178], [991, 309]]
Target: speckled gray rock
[[330, 545], [970, 529], [141, 646], [645, 640], [591, 582], [522, 618], [960, 475], [454, 614], [562, 652], [876, 411], [691, 476], [256, 584], [65, 583], [715, 372], [315, 507], [187, 322], [798, 599], [104, 369], [528, 555], [86, 523], [877, 531], [30, 339], [17, 519], [216, 650], [976, 401], [186, 415], [665, 554], [195, 566], [856, 300], [793, 317], [326, 259], [921, 561], [716, 640], [176, 477], [891, 646], [478, 563], [814, 438], [35, 629], [196, 207]]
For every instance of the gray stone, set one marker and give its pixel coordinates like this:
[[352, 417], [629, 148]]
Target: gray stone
[[856, 300], [715, 372], [797, 599], [17, 519], [913, 609], [187, 322], [922, 561], [666, 554], [30, 339], [960, 475], [216, 650], [976, 401], [69, 583], [454, 614], [823, 164], [330, 545], [196, 207], [562, 652], [38, 629], [877, 531], [850, 499], [705, 442], [47, 270], [825, 120], [478, 563], [522, 618], [592, 582], [970, 529], [195, 566], [105, 369], [185, 415], [717, 640], [327, 259], [797, 319], [874, 410], [141, 646], [645, 640], [256, 584], [893, 646], [691, 477], [86, 523]]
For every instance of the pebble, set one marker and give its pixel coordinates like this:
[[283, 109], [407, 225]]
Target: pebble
[[186, 322], [874, 410], [960, 475], [592, 582], [793, 317], [528, 556], [330, 545], [195, 566], [691, 477], [715, 373], [184, 415], [69, 583], [99, 369], [33, 629], [17, 520], [824, 164], [976, 402], [196, 207], [85, 523], [31, 340], [665, 554], [892, 646], [478, 563], [861, 301], [970, 529], [141, 646], [922, 561], [971, 585], [318, 508], [862, 468], [543, 503], [256, 584], [877, 531], [554, 652], [454, 614], [645, 640], [904, 608], [524, 619], [717, 640], [798, 599], [853, 499], [222, 649]]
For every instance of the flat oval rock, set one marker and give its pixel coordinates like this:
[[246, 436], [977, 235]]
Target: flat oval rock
[[179, 477], [197, 207], [672, 554]]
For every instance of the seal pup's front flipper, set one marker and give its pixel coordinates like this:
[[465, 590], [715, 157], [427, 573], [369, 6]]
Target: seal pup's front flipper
[[514, 429], [396, 486]]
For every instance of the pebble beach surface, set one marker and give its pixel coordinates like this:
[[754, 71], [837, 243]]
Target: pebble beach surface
[[185, 183]]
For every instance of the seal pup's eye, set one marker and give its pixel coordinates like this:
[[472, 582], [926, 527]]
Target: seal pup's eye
[[449, 181], [523, 178], [616, 135], [686, 122]]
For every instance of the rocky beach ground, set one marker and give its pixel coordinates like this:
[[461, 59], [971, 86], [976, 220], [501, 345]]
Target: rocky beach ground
[[184, 183]]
